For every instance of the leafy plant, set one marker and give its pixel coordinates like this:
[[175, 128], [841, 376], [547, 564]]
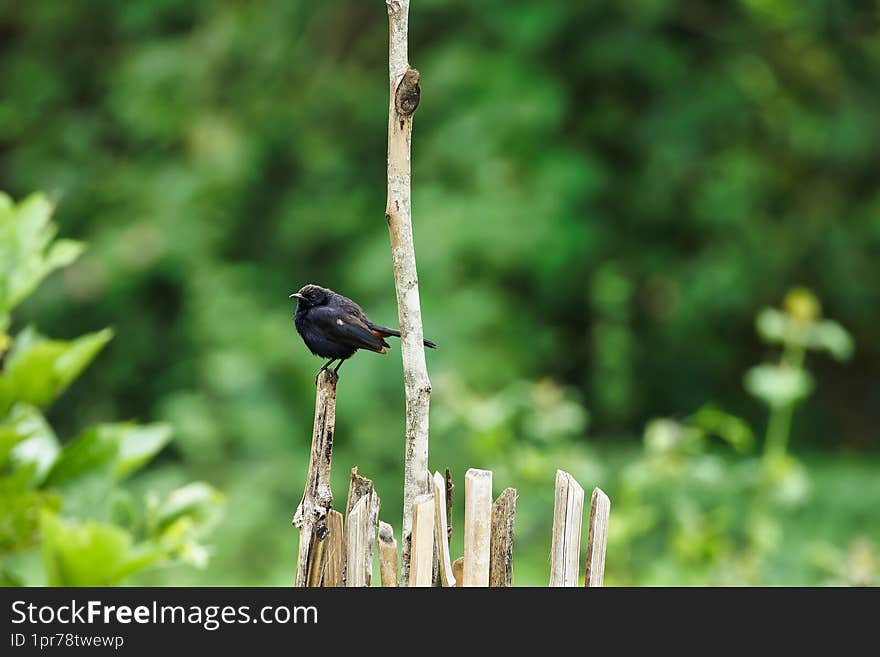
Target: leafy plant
[[676, 496], [65, 498], [798, 327], [674, 522]]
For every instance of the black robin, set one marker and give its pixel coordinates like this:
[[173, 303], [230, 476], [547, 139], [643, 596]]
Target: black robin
[[334, 326]]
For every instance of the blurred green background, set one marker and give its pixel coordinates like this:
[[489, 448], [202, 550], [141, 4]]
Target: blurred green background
[[606, 196]]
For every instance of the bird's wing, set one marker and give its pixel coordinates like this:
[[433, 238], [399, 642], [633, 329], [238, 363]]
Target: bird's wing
[[351, 308], [345, 328]]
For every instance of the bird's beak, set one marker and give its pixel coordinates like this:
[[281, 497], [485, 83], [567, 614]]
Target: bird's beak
[[295, 295]]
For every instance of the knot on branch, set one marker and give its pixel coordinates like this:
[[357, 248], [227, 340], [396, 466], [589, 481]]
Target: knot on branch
[[406, 98]]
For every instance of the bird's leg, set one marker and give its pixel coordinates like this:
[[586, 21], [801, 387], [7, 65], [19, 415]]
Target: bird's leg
[[324, 369], [336, 369]]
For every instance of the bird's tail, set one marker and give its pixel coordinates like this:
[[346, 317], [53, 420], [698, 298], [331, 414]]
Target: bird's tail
[[384, 331]]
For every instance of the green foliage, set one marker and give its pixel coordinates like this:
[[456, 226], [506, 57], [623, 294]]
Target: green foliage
[[675, 499], [22, 505], [64, 498]]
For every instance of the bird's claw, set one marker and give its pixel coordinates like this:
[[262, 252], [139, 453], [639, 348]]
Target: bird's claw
[[334, 376]]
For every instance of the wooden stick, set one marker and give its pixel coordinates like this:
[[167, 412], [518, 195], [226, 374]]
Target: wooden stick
[[387, 555], [600, 509], [356, 539], [441, 534], [568, 514], [335, 550], [317, 500], [404, 99], [361, 488], [477, 526], [450, 489], [574, 517], [501, 557], [421, 572]]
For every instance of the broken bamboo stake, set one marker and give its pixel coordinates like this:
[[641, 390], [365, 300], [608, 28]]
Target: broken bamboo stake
[[501, 553], [361, 488], [317, 500], [356, 538], [568, 511], [441, 533], [600, 509], [421, 566], [477, 526], [387, 555], [404, 99], [334, 549]]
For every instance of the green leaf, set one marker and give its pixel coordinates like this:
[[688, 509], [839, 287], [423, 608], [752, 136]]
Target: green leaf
[[26, 234], [833, 338], [89, 454], [109, 450], [138, 445], [730, 428], [39, 369], [778, 385], [773, 325], [36, 442], [89, 553], [64, 252]]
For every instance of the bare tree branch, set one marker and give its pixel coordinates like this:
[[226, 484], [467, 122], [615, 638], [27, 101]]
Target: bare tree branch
[[404, 99]]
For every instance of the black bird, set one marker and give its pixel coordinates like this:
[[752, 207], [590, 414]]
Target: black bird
[[334, 326]]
